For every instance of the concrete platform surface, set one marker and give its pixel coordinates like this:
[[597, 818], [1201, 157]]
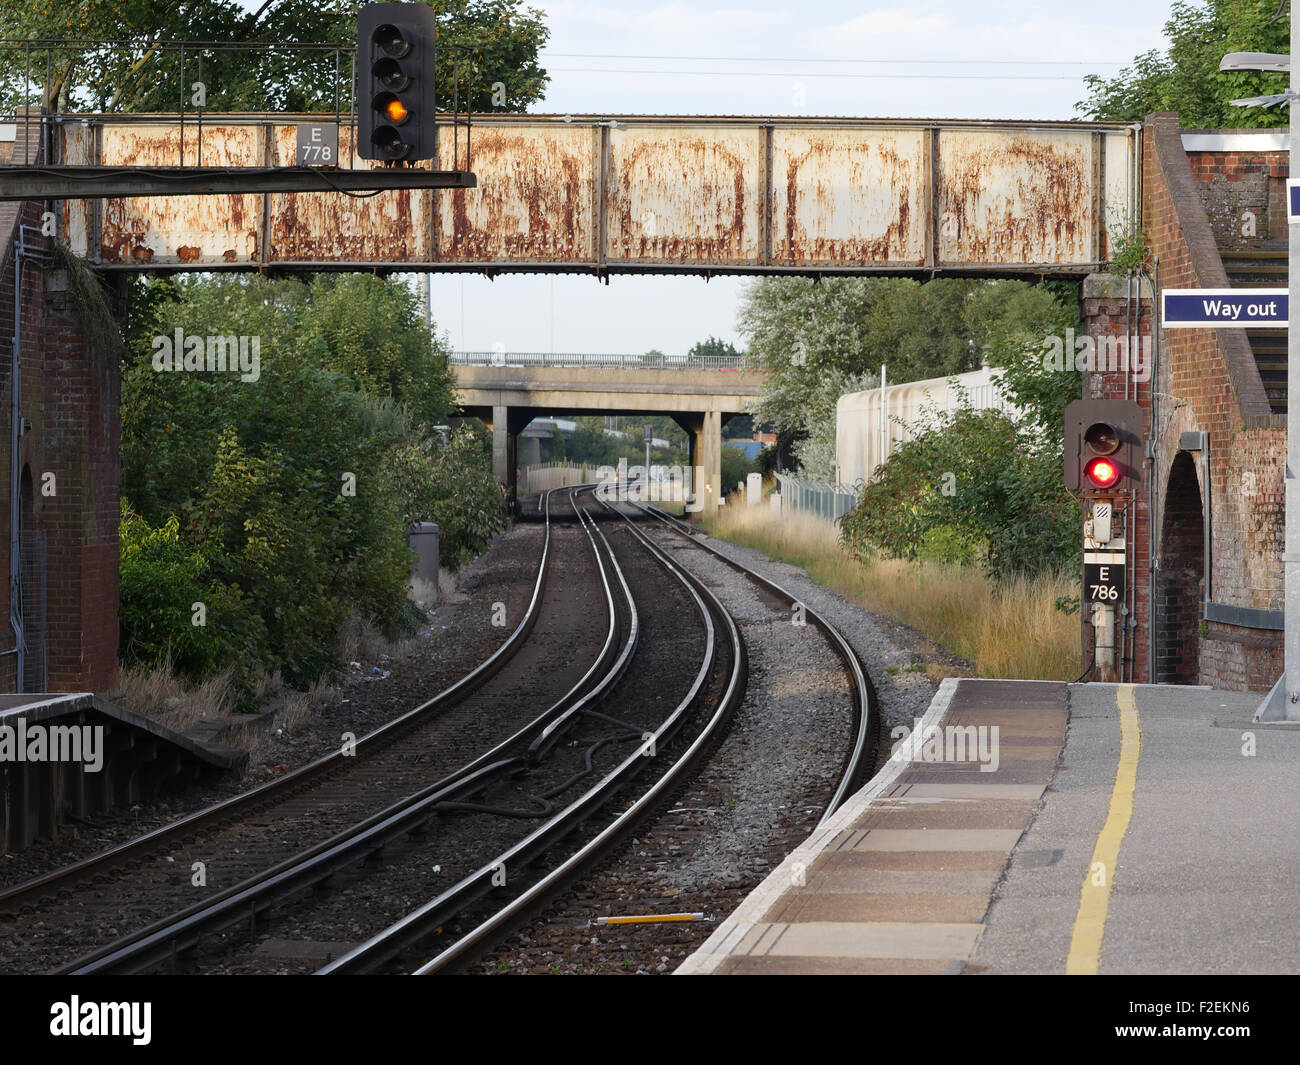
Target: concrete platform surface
[[1034, 827]]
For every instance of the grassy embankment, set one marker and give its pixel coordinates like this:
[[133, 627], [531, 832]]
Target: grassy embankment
[[1009, 629]]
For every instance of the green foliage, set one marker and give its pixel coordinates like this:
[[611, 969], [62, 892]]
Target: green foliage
[[294, 490], [140, 73], [1131, 249], [1187, 79], [162, 578], [372, 332], [819, 342], [453, 486], [735, 467], [590, 443], [712, 347], [1009, 321], [982, 478]]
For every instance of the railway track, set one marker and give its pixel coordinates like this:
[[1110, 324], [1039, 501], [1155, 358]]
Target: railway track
[[595, 700], [355, 788], [439, 911]]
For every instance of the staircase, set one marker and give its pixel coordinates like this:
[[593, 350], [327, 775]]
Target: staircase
[[1264, 267]]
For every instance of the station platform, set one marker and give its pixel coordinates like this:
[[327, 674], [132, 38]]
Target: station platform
[[1035, 827]]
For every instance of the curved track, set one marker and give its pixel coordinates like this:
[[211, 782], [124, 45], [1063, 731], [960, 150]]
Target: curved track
[[595, 701]]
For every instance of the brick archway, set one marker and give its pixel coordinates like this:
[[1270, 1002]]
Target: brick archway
[[1180, 581]]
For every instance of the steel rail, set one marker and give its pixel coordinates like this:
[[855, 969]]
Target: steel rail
[[862, 755], [28, 891], [147, 947], [416, 925]]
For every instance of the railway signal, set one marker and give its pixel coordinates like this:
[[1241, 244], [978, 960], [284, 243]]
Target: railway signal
[[1103, 456], [1103, 446], [395, 82]]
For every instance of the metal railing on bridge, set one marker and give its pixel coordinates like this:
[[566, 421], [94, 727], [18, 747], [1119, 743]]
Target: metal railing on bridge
[[829, 501], [580, 360]]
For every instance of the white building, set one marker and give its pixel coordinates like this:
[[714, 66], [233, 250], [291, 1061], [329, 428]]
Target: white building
[[867, 424]]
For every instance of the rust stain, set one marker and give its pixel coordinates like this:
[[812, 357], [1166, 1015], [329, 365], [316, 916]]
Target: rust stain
[[677, 192], [848, 197], [683, 196], [1015, 198], [532, 203]]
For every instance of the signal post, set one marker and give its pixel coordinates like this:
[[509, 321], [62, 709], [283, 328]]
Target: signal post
[[1103, 453]]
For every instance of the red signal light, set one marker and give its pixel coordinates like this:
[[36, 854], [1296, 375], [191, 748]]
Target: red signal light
[[1103, 473]]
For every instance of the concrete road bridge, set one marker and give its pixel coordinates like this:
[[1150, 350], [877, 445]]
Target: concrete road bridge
[[507, 390]]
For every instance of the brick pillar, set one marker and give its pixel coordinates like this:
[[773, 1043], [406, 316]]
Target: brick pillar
[[1121, 367], [80, 413]]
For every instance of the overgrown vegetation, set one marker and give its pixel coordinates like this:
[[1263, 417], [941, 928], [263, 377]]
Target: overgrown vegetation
[[263, 509], [1007, 628]]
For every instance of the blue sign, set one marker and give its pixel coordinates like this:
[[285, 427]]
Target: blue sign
[[1209, 308], [1293, 200]]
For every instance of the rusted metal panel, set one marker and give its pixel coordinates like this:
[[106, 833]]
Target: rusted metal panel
[[185, 230], [687, 194], [1009, 196], [535, 201], [392, 227], [1117, 188], [849, 197], [640, 194], [77, 218]]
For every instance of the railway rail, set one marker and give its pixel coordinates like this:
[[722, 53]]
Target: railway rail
[[722, 672]]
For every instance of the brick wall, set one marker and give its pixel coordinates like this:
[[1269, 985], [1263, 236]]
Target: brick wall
[[1234, 182], [1206, 382], [70, 395]]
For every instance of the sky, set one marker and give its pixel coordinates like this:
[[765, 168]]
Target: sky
[[1001, 59]]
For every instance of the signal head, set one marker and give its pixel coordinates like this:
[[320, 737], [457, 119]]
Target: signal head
[[389, 39], [1101, 473]]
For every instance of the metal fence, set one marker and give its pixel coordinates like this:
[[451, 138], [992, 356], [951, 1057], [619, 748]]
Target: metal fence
[[829, 501], [546, 476], [654, 361]]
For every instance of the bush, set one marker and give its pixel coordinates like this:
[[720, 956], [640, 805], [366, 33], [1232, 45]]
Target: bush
[[452, 485], [970, 480], [162, 579]]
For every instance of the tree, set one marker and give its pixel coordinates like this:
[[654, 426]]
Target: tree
[[1187, 79], [281, 499], [1010, 322], [713, 347], [141, 69], [819, 341]]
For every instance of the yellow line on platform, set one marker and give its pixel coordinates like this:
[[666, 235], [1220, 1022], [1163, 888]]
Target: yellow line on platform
[[1094, 899]]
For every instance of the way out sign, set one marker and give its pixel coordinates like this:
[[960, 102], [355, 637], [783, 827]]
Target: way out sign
[[1210, 308], [1103, 577]]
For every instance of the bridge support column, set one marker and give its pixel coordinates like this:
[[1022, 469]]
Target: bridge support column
[[704, 434], [507, 423]]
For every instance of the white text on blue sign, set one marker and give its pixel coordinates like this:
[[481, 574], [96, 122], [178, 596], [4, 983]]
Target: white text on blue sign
[[1217, 308]]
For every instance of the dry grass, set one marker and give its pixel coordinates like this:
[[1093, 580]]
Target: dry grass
[[160, 695], [359, 639], [1011, 629]]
